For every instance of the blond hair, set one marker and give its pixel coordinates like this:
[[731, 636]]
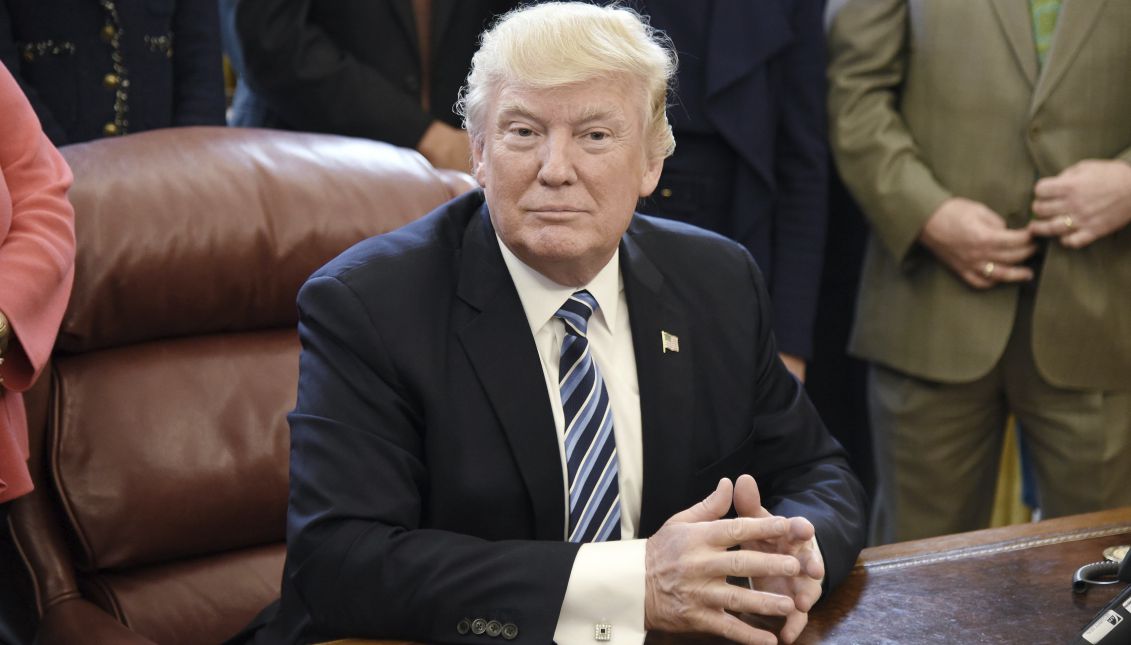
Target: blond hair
[[561, 43]]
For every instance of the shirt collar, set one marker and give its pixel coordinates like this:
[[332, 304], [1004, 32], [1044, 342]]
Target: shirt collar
[[541, 297]]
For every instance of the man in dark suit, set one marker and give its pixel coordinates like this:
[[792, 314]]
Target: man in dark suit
[[388, 70], [497, 401]]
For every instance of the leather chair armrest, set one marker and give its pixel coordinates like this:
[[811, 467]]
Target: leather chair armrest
[[80, 621]]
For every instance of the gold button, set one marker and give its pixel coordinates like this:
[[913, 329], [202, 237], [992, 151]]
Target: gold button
[[108, 32], [665, 192], [109, 130], [29, 56], [111, 81]]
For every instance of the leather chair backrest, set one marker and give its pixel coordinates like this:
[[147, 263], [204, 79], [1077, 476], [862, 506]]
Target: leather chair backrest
[[160, 445]]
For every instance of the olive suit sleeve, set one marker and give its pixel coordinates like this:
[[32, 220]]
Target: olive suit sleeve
[[878, 158]]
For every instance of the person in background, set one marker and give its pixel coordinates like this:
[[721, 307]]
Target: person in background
[[388, 70], [835, 380], [989, 145], [101, 68], [37, 253], [749, 115], [526, 415]]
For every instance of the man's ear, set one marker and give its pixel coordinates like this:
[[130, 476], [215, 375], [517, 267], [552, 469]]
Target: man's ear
[[477, 167], [651, 176]]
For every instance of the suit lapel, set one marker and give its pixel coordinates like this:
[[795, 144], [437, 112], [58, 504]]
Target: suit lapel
[[1073, 26], [741, 37], [1015, 21], [502, 352], [664, 378]]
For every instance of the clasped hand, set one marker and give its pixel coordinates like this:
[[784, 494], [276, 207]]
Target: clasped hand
[[688, 560], [1087, 201]]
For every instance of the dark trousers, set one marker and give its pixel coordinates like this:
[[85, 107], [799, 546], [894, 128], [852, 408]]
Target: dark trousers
[[17, 606]]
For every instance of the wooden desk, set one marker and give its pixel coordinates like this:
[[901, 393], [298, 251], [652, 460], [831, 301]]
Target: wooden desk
[[1007, 585]]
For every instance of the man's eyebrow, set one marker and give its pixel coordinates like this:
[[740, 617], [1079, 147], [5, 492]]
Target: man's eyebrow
[[515, 109], [600, 113], [588, 114]]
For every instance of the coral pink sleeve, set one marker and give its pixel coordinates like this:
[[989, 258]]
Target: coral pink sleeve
[[37, 237]]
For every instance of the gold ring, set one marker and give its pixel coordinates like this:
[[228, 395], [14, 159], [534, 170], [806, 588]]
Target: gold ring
[[1067, 221], [988, 269]]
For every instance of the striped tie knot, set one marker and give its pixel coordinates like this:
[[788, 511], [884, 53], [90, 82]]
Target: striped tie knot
[[576, 311]]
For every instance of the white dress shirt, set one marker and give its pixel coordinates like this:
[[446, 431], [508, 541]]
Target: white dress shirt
[[606, 584]]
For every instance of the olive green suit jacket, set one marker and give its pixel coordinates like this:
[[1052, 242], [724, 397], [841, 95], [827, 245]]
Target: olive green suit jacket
[[935, 98]]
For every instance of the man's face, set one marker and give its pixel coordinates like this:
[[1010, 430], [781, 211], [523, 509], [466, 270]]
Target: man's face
[[562, 169]]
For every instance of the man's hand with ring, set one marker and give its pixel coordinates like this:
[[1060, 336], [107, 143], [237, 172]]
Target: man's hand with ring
[[687, 563], [974, 243], [1088, 200]]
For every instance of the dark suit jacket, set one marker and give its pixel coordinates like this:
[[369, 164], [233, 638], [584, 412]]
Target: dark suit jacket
[[353, 66], [61, 56], [751, 152], [426, 482]]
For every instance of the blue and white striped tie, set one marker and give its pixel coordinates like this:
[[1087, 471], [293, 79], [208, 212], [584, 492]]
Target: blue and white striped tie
[[590, 447]]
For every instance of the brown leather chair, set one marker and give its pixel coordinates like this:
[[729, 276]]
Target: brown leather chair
[[159, 441]]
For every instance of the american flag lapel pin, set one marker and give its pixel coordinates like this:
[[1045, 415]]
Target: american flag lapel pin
[[670, 342]]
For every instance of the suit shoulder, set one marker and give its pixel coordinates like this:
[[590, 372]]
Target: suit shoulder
[[696, 259], [396, 255], [680, 239]]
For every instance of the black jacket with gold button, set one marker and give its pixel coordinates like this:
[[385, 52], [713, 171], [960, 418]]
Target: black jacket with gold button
[[94, 68]]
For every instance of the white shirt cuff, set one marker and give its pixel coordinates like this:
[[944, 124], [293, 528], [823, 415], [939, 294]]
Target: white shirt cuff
[[605, 594]]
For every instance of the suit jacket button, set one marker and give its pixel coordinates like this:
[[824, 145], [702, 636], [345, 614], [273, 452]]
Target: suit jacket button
[[510, 631], [494, 628], [478, 626], [463, 626]]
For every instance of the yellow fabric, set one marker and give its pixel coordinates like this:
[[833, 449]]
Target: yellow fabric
[[1008, 507]]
